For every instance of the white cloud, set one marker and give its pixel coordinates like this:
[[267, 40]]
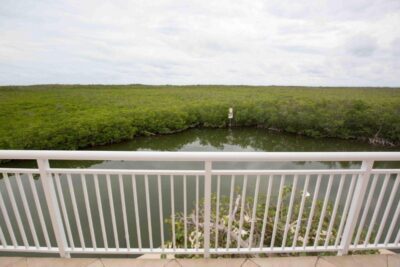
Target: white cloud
[[361, 45], [347, 42]]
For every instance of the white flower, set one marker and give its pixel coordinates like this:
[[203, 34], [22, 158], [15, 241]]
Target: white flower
[[244, 232], [194, 239], [308, 194], [168, 245]]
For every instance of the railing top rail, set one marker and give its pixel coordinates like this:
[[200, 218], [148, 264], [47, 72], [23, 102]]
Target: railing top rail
[[198, 156]]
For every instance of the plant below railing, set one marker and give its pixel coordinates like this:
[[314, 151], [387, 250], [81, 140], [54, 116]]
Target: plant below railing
[[240, 234]]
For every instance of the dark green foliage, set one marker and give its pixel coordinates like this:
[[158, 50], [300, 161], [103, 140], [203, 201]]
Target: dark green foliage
[[77, 116]]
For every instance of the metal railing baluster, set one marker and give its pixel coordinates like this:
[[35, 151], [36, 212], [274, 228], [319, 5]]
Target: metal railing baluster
[[173, 211], [289, 215], [51, 200], [253, 215], [335, 208], [394, 220], [366, 209], [39, 210], [64, 211], [228, 238], [377, 209], [124, 217], [185, 209], [2, 238], [345, 209], [100, 209], [322, 216], [217, 210], [6, 217], [356, 203], [243, 201], [27, 210], [266, 210], [278, 208], [160, 207], [15, 210], [311, 215], [148, 207], [300, 215], [137, 219], [112, 209], [207, 207], [387, 210], [88, 210], [197, 212], [75, 209]]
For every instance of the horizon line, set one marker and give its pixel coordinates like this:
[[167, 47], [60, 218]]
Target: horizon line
[[189, 85]]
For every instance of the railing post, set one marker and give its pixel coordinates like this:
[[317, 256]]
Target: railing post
[[207, 208], [54, 211], [356, 204]]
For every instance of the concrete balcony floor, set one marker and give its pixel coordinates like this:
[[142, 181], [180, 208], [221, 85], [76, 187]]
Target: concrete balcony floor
[[389, 260]]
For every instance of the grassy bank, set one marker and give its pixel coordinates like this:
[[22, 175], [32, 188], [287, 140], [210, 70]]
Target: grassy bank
[[70, 117]]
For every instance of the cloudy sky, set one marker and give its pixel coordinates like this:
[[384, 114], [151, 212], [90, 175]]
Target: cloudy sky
[[257, 42]]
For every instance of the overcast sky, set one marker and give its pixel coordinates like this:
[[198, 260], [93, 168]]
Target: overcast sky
[[256, 42]]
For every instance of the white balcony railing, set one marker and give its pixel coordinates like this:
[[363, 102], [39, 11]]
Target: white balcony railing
[[123, 211]]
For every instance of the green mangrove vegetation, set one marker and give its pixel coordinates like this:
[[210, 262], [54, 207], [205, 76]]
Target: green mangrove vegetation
[[78, 116], [256, 222]]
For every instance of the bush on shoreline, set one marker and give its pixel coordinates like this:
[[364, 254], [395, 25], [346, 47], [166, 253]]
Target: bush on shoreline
[[246, 231], [78, 116]]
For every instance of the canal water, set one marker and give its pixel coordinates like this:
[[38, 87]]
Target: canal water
[[235, 139]]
